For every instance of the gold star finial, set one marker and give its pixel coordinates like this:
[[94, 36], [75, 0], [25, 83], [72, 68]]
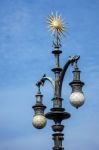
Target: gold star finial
[[56, 24]]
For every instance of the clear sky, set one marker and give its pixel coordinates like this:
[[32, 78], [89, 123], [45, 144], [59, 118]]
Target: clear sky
[[25, 55]]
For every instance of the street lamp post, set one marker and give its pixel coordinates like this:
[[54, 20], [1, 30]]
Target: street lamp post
[[57, 112]]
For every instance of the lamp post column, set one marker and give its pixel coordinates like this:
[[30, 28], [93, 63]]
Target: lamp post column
[[57, 112]]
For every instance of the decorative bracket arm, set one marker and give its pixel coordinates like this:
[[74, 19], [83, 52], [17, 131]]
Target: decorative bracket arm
[[70, 61], [43, 79]]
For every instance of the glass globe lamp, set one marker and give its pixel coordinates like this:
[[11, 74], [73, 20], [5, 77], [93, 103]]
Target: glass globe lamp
[[77, 99], [39, 121]]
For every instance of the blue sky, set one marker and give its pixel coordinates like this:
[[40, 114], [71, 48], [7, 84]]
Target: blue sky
[[25, 51]]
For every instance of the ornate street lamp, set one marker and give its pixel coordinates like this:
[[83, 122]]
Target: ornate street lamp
[[57, 112]]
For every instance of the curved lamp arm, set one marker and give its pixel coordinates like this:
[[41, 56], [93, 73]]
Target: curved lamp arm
[[61, 78], [43, 79]]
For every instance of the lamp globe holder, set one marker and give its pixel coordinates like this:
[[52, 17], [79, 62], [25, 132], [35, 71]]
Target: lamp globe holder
[[77, 98], [39, 120]]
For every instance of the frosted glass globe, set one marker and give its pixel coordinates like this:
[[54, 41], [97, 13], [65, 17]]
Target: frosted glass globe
[[77, 99], [39, 121]]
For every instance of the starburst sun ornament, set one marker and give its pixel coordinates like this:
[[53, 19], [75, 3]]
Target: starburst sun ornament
[[56, 24]]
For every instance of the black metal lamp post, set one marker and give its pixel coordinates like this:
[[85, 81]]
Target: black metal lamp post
[[57, 112]]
